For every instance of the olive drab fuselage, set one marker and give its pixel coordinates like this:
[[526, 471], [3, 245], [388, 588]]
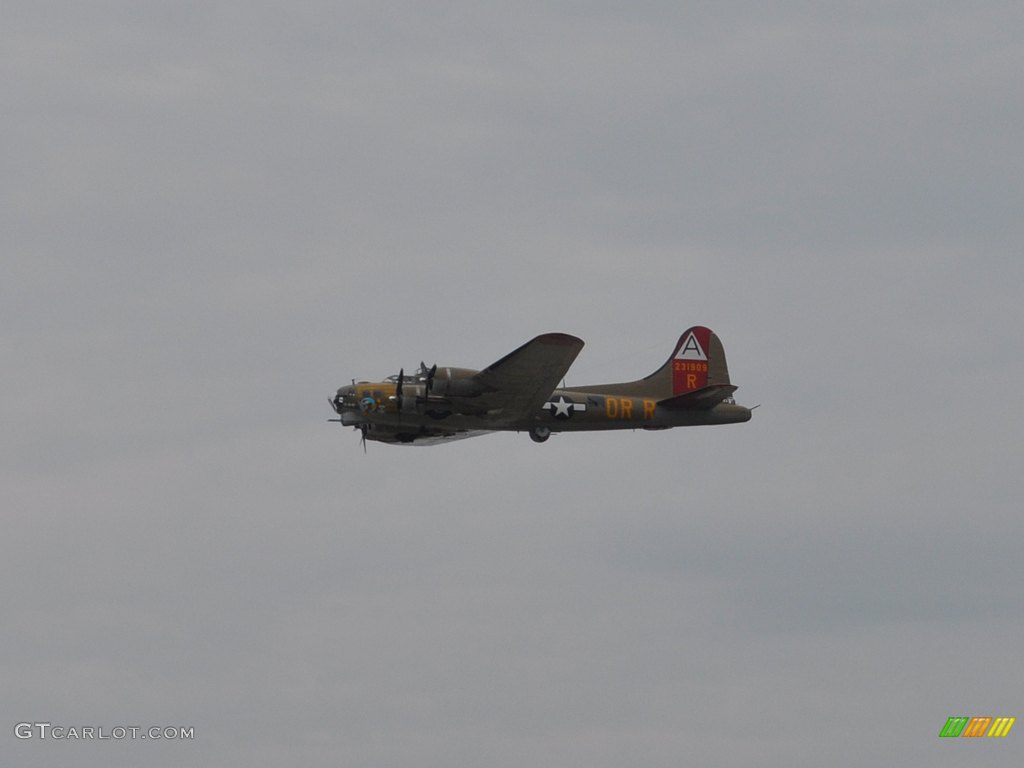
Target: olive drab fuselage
[[517, 393]]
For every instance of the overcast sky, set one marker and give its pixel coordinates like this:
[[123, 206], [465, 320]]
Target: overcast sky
[[216, 213]]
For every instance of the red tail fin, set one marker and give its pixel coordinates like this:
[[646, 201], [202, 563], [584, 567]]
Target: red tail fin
[[697, 362], [690, 361]]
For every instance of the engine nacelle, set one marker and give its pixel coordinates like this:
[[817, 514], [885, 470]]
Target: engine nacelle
[[456, 382]]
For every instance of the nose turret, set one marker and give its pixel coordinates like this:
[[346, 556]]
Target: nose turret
[[344, 399], [346, 404]]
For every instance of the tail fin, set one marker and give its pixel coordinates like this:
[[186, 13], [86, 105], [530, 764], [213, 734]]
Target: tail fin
[[696, 363]]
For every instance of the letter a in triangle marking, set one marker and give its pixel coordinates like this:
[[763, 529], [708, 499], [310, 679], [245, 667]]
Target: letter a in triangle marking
[[691, 349]]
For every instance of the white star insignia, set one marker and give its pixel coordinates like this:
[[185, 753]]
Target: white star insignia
[[563, 408]]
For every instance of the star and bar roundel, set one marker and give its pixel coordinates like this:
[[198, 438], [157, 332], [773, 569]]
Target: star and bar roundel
[[563, 407]]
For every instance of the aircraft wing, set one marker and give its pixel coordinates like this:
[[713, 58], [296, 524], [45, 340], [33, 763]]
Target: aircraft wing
[[522, 380]]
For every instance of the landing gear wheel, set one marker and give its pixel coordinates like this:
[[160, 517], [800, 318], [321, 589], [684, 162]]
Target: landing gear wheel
[[540, 434]]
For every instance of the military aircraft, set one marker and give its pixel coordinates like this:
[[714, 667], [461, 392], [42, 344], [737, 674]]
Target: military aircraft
[[520, 393]]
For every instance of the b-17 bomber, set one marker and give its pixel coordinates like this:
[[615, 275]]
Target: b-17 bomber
[[520, 393]]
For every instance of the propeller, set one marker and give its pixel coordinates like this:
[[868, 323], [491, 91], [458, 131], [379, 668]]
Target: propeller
[[363, 428], [426, 375]]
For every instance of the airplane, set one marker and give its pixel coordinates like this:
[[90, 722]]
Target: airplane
[[520, 393]]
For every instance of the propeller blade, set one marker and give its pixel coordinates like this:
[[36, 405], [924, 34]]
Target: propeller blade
[[430, 377]]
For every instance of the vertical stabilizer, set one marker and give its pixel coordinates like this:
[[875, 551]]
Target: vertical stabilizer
[[696, 362]]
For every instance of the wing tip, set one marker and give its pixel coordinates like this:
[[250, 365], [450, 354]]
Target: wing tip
[[560, 339]]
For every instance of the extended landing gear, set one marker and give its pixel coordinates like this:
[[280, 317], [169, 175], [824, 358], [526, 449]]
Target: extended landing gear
[[540, 434]]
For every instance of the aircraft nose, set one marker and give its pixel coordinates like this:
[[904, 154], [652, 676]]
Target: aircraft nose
[[345, 405], [335, 403]]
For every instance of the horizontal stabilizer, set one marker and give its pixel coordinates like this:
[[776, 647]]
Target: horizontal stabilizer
[[700, 400]]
